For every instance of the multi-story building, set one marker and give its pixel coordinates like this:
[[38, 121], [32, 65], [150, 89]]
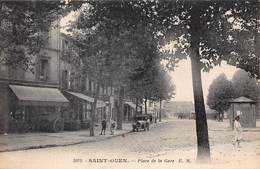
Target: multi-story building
[[29, 95], [80, 90], [55, 89]]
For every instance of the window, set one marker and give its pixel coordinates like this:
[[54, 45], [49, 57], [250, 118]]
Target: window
[[43, 69], [89, 85], [93, 86], [65, 79], [83, 83], [103, 87], [106, 90], [109, 90], [100, 90], [72, 80], [112, 90]]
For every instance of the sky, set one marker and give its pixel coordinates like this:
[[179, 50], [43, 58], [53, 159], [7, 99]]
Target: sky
[[182, 79]]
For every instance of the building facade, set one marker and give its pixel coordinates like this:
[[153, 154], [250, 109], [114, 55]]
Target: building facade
[[29, 96], [80, 89]]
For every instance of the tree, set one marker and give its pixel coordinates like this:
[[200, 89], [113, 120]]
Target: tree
[[143, 83], [220, 93], [106, 49], [202, 30], [211, 37], [23, 28], [164, 89], [244, 85]]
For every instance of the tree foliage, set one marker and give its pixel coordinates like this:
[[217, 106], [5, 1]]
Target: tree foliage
[[220, 93], [23, 28], [244, 85]]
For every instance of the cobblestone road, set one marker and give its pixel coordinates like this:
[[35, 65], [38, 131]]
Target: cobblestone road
[[174, 140]]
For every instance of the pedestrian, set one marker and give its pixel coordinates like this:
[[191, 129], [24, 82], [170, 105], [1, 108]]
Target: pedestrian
[[104, 125], [237, 132], [112, 127]]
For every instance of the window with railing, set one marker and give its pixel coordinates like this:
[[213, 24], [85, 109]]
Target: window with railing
[[43, 69]]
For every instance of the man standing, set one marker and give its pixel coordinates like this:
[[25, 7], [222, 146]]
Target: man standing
[[104, 125], [237, 132], [112, 126]]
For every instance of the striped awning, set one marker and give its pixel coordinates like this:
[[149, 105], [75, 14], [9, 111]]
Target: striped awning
[[82, 96], [39, 96]]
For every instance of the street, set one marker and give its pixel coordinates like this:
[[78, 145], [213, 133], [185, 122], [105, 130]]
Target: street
[[168, 144]]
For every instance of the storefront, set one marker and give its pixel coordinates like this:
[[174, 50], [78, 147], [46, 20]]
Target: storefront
[[35, 109], [129, 111], [80, 108], [102, 111]]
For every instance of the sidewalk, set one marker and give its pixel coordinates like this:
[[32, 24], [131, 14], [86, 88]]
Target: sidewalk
[[24, 141]]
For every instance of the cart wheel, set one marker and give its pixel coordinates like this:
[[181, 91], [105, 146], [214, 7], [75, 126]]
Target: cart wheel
[[57, 125]]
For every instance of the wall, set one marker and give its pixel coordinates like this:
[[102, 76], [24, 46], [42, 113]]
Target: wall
[[51, 51]]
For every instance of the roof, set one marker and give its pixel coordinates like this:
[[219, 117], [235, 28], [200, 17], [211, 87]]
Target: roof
[[38, 96], [242, 99], [82, 96]]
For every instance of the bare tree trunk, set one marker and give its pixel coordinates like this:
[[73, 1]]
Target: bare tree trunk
[[160, 111], [93, 112], [203, 153], [145, 106], [203, 150], [120, 109], [219, 115], [136, 105]]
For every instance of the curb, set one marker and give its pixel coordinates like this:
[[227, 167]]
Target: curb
[[65, 144], [154, 125]]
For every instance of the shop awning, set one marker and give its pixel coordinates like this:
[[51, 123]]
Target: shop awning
[[39, 96], [82, 96], [100, 103], [131, 104]]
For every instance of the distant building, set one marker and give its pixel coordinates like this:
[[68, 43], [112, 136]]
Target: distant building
[[178, 108]]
